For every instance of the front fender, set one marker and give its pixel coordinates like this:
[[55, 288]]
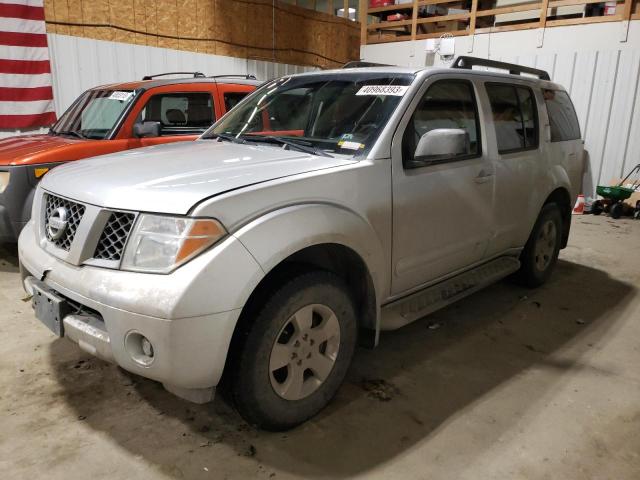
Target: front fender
[[279, 234]]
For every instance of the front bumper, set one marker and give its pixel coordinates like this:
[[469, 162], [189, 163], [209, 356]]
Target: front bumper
[[188, 316]]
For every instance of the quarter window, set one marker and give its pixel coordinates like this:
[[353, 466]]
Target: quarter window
[[447, 104], [180, 113], [562, 116], [514, 117]]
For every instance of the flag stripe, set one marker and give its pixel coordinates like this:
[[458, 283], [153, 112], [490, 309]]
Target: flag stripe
[[26, 94], [20, 25], [25, 81], [23, 39], [24, 53], [26, 121], [26, 108], [26, 12], [31, 3], [25, 66]]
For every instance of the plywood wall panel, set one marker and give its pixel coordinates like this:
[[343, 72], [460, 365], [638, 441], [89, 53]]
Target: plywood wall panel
[[239, 28], [167, 23]]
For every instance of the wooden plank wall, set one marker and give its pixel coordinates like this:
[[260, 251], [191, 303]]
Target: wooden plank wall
[[255, 29]]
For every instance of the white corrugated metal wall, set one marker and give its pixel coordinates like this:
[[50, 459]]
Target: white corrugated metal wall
[[80, 63], [598, 64]]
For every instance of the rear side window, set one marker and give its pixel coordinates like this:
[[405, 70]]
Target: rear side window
[[514, 117], [189, 113], [231, 99], [562, 116], [446, 104]]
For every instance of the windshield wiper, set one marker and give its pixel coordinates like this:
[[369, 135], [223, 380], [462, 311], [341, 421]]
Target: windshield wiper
[[228, 137], [73, 133], [288, 142]]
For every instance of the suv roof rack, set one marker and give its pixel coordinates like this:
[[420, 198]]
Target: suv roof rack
[[360, 64], [514, 69], [246, 77], [195, 75]]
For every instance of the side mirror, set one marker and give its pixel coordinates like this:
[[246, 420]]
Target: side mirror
[[146, 129], [442, 143]]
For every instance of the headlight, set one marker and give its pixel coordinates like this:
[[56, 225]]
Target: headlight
[[159, 244], [4, 180]]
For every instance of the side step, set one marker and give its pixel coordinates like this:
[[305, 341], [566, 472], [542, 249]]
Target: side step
[[417, 305]]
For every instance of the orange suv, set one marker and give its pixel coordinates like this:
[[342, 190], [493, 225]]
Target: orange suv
[[109, 119]]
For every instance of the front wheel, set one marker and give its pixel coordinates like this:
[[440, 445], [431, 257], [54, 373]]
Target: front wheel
[[541, 251], [296, 353]]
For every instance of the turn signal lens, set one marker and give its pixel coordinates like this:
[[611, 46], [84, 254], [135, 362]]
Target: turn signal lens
[[159, 244], [39, 172]]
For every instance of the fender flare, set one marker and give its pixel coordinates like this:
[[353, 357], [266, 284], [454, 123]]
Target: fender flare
[[275, 236]]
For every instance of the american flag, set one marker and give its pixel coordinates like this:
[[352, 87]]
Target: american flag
[[26, 96]]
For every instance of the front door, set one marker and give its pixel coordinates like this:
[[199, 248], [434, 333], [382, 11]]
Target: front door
[[442, 207]]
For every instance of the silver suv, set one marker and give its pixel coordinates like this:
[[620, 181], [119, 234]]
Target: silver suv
[[324, 208]]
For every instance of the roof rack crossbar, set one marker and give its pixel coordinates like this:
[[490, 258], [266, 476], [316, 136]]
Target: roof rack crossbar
[[361, 64], [246, 77], [468, 63], [195, 75]]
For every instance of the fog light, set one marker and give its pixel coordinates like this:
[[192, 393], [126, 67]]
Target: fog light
[[147, 348], [139, 348]]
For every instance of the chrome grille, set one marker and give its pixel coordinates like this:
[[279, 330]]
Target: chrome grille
[[74, 211], [114, 236]]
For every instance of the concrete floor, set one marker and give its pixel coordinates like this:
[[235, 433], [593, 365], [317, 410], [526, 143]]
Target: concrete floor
[[509, 383]]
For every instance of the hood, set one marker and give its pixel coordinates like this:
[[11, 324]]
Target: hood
[[173, 178], [33, 149]]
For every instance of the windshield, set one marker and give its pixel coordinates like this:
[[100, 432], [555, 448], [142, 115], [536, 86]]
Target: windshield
[[94, 114], [334, 113]]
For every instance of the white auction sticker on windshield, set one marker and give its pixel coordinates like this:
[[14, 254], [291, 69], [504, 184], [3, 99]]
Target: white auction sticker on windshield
[[350, 145], [122, 96], [393, 90]]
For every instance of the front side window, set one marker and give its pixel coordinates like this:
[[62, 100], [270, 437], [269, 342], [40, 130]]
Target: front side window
[[340, 113], [447, 104], [514, 117], [562, 116], [231, 99], [95, 114], [188, 113]]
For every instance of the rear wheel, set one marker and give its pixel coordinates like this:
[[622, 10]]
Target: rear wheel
[[616, 210], [597, 208], [296, 353], [541, 251]]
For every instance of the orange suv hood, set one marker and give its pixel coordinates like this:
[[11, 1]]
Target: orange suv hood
[[35, 149]]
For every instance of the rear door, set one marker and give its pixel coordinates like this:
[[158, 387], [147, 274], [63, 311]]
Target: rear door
[[517, 154], [442, 208]]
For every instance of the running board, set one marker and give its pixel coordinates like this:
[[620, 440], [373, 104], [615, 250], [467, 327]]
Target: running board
[[417, 305]]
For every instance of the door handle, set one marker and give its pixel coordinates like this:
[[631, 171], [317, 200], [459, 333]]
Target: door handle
[[483, 176]]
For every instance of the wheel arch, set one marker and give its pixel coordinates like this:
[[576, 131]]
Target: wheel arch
[[321, 237]]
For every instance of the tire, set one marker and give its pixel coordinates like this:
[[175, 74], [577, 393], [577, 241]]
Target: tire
[[616, 210], [540, 253], [597, 208], [296, 353]]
